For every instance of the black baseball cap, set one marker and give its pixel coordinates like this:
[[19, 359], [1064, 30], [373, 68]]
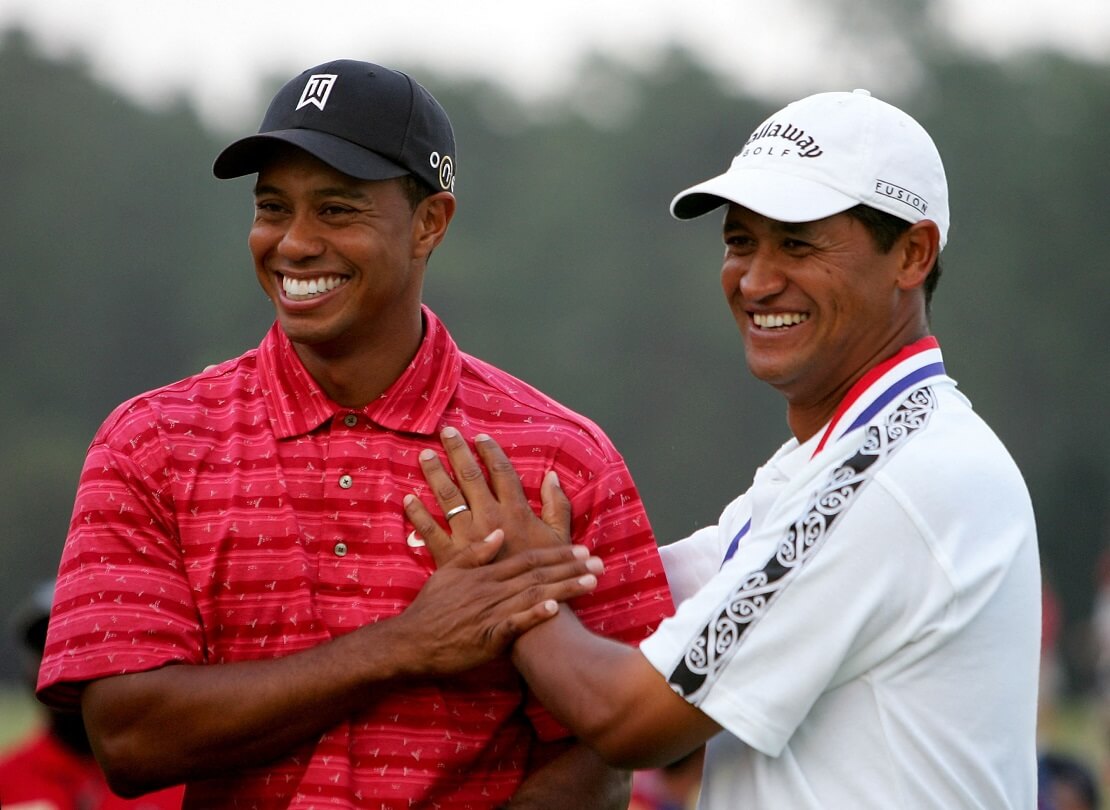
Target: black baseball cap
[[362, 119]]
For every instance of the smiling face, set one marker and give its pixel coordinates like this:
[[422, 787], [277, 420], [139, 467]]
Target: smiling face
[[818, 304], [342, 259]]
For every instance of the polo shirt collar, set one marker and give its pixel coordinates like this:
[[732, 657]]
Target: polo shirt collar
[[414, 403]]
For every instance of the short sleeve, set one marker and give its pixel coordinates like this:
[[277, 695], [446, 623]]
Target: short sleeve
[[122, 598], [755, 651]]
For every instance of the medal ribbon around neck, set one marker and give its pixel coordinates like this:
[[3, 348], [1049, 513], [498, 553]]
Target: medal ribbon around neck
[[922, 359]]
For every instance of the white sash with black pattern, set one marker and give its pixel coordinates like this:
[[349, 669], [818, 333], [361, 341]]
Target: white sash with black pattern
[[719, 639]]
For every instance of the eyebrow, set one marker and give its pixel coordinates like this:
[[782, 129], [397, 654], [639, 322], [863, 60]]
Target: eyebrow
[[343, 192], [790, 228]]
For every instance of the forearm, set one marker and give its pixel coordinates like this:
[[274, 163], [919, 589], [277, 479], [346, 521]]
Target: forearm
[[574, 777], [609, 695], [182, 723]]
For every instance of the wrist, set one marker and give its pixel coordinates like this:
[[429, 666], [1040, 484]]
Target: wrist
[[383, 652]]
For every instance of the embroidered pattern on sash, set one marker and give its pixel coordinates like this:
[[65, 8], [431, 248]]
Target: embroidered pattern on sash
[[718, 641]]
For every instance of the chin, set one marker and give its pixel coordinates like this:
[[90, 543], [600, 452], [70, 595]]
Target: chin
[[300, 332], [763, 368]]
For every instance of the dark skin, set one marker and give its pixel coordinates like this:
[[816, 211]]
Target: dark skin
[[313, 223], [818, 304], [364, 247]]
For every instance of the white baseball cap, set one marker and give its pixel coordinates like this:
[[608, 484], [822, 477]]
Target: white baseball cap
[[827, 153]]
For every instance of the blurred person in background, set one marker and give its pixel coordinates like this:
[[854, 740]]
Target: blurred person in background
[[54, 768], [1099, 640], [1065, 782], [1050, 686]]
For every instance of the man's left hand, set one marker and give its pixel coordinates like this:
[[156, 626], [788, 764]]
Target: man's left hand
[[499, 503]]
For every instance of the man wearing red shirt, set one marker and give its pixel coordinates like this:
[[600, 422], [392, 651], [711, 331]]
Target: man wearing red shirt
[[242, 603]]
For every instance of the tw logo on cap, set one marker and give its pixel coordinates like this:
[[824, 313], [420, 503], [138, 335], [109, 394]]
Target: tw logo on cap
[[317, 90]]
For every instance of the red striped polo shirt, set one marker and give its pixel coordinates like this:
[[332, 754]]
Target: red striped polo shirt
[[241, 514]]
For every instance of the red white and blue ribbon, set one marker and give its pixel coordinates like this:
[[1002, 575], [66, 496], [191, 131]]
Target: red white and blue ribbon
[[910, 367]]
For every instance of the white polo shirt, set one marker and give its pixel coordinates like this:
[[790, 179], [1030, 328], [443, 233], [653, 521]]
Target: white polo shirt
[[872, 641]]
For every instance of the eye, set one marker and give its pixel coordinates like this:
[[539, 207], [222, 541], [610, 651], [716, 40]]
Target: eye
[[268, 208], [738, 241], [792, 245]]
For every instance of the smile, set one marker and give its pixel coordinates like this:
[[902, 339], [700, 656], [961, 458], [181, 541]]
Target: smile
[[302, 289], [779, 320]]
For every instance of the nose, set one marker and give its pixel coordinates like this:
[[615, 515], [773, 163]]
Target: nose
[[300, 239], [756, 277]]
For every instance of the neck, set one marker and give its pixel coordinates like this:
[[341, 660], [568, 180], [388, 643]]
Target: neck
[[354, 376], [807, 418]]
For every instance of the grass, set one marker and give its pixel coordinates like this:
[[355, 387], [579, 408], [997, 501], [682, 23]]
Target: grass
[[1076, 728], [19, 714]]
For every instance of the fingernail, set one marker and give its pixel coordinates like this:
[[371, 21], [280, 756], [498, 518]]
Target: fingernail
[[551, 606], [554, 477], [596, 565], [408, 499], [580, 552], [494, 535], [427, 454], [449, 433], [587, 581]]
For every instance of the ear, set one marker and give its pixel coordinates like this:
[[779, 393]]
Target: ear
[[919, 248], [430, 221]]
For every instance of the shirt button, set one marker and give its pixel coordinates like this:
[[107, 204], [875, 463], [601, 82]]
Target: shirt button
[[340, 549], [346, 482], [350, 420]]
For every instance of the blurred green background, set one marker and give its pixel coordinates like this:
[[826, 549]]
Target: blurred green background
[[125, 268]]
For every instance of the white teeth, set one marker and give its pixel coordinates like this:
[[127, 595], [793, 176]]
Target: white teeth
[[300, 289], [778, 320]]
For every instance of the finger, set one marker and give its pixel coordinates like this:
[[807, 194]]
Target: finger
[[502, 475], [558, 583], [543, 566], [447, 495], [520, 623], [474, 555], [443, 546], [555, 510], [468, 472]]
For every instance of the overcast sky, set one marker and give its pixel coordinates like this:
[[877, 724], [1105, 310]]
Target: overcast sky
[[217, 51]]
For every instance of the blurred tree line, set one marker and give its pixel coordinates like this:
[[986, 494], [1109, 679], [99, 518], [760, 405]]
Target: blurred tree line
[[125, 268]]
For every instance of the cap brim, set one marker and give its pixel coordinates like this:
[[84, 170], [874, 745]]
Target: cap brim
[[247, 155], [784, 197]]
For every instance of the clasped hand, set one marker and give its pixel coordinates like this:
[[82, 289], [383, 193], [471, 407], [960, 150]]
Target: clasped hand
[[500, 504], [502, 569]]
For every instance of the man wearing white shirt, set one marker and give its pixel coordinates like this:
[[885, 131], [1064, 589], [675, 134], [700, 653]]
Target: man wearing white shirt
[[861, 627]]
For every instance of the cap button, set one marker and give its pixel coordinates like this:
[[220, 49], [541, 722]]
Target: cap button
[[862, 92]]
